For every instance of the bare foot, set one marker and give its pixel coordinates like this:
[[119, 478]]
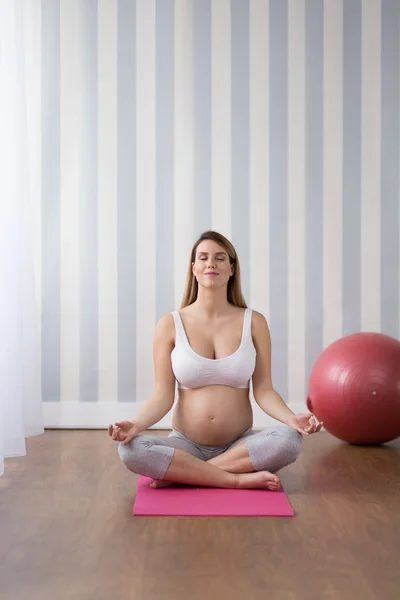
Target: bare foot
[[263, 480], [159, 483]]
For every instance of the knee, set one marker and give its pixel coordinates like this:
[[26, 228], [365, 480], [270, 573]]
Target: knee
[[143, 456], [131, 454], [293, 442], [275, 448], [123, 451]]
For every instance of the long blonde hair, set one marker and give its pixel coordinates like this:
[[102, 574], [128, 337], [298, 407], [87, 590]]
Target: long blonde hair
[[234, 291]]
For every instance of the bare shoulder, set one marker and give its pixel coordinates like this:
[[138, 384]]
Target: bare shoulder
[[166, 321], [165, 327], [259, 327], [258, 320]]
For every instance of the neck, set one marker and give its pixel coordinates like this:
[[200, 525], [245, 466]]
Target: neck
[[212, 303]]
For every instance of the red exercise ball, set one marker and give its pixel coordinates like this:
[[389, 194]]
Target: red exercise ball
[[354, 388]]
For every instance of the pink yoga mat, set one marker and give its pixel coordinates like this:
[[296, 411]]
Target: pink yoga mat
[[180, 500]]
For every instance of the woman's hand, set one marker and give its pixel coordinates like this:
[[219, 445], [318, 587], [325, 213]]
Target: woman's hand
[[305, 423], [123, 431]]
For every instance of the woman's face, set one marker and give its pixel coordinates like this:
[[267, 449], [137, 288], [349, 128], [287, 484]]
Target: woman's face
[[211, 267]]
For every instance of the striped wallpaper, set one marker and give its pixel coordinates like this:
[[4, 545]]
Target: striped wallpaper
[[274, 122]]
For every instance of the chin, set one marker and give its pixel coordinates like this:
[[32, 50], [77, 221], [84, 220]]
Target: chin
[[214, 284]]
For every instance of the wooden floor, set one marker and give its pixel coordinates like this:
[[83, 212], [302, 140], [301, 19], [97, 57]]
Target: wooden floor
[[66, 530]]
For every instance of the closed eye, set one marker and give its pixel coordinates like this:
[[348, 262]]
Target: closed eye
[[218, 258]]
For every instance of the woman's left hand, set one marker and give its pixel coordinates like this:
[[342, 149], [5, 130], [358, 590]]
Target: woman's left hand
[[305, 423]]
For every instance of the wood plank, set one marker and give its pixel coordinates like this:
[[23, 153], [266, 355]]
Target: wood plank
[[67, 529]]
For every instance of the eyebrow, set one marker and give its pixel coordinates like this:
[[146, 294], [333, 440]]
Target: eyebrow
[[224, 253]]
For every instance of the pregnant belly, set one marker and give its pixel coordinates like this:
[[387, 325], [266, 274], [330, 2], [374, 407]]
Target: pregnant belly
[[215, 415]]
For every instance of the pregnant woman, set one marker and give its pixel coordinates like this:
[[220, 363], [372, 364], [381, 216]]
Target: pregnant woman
[[212, 347]]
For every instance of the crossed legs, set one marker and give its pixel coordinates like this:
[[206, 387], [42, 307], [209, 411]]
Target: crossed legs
[[250, 462], [235, 460]]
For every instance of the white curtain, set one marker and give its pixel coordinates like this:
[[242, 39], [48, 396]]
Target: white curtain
[[20, 382]]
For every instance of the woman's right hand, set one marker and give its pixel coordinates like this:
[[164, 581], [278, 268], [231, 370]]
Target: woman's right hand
[[123, 431]]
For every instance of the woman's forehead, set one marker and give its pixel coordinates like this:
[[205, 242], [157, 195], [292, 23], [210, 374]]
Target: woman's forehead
[[208, 246]]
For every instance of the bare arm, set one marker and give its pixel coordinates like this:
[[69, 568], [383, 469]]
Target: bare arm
[[161, 402], [266, 397]]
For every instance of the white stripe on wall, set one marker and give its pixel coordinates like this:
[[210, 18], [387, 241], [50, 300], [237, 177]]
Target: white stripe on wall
[[107, 201], [183, 147], [69, 198], [146, 189], [259, 157], [35, 153], [333, 171], [221, 116], [370, 166], [296, 201]]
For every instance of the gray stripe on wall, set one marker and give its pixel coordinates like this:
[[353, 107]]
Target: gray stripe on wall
[[126, 145], [50, 91], [202, 114], [88, 208], [390, 267], [278, 174], [351, 167], [165, 28], [314, 35], [240, 125]]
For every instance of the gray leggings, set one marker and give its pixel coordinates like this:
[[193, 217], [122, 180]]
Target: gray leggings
[[270, 450]]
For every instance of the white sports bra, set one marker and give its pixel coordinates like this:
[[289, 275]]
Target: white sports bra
[[194, 371]]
